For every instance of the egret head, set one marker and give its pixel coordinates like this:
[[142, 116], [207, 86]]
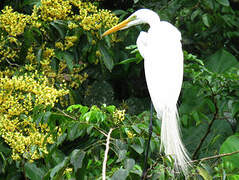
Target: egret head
[[139, 17]]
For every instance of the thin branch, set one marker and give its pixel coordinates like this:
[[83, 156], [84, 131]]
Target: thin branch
[[195, 161], [12, 64], [209, 126], [101, 131], [204, 137], [215, 156], [106, 154], [67, 115]]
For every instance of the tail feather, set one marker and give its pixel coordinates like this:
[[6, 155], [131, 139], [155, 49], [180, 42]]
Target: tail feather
[[170, 138]]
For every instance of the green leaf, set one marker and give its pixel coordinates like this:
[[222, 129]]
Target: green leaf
[[233, 177], [196, 117], [58, 156], [139, 149], [223, 2], [121, 155], [59, 28], [204, 173], [127, 61], [221, 61], [77, 157], [235, 109], [195, 14], [5, 149], [136, 129], [106, 56], [92, 56], [33, 172], [67, 57], [58, 170], [205, 20], [73, 107], [74, 131], [131, 47], [211, 105], [111, 108], [32, 2], [121, 174], [129, 164], [231, 145], [184, 120]]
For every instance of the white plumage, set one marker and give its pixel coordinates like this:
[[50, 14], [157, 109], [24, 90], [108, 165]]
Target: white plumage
[[163, 61]]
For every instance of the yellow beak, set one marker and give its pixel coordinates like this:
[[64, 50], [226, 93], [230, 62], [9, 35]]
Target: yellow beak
[[117, 27]]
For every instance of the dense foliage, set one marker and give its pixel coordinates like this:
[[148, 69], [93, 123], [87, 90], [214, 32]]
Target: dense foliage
[[66, 92]]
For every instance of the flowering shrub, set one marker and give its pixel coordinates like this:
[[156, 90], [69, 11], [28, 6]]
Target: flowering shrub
[[42, 51], [51, 34], [18, 97]]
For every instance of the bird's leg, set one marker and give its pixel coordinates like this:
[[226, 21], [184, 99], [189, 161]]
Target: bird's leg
[[144, 174]]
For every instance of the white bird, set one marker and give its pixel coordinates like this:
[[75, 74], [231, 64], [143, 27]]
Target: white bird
[[161, 49]]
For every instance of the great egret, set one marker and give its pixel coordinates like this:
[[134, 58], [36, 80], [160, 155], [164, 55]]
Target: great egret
[[163, 62]]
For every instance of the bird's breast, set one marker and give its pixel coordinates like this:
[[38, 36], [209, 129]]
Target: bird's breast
[[164, 71]]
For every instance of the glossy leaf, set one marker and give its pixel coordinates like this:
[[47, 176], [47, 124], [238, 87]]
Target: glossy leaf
[[195, 14], [58, 170], [235, 109], [121, 174], [221, 61], [106, 56], [33, 172], [223, 2], [127, 61], [77, 157], [139, 149], [129, 164], [205, 20], [231, 145]]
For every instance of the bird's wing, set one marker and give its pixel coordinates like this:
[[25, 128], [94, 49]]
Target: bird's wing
[[162, 51], [142, 43]]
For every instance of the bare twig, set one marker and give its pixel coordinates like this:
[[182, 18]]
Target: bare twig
[[12, 64], [215, 156], [209, 126], [101, 131], [106, 153], [195, 161]]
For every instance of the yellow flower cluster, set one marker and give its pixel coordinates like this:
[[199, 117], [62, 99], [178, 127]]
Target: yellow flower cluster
[[130, 134], [9, 48], [74, 78], [35, 18], [55, 9], [26, 139], [95, 21], [18, 96], [72, 25], [13, 23], [68, 171], [30, 55], [8, 72], [68, 42], [89, 16], [118, 116], [48, 53]]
